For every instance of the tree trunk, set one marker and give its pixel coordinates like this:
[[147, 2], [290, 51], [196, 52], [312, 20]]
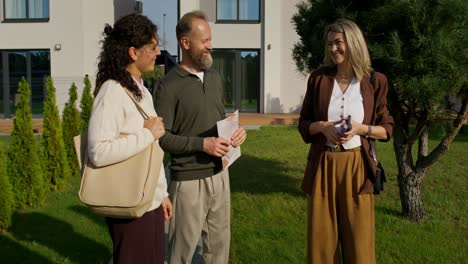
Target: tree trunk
[[409, 181], [410, 195]]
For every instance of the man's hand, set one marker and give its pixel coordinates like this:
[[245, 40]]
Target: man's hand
[[167, 208], [238, 137], [214, 146]]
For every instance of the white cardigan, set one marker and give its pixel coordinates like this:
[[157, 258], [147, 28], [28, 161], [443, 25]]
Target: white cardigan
[[114, 113]]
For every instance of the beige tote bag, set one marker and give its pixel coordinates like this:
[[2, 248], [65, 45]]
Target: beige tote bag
[[124, 189]]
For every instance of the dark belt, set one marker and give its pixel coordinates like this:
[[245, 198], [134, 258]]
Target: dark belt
[[340, 148]]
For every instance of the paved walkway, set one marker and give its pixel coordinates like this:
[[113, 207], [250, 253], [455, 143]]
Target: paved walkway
[[245, 119]]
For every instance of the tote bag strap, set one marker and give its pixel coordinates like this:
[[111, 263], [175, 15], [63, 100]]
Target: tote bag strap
[[142, 112], [374, 155], [372, 142], [81, 149]]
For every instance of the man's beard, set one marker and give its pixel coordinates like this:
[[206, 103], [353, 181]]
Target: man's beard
[[202, 60]]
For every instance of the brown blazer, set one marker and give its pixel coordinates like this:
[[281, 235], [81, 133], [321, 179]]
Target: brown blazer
[[315, 108]]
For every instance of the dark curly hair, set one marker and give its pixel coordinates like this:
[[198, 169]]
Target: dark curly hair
[[133, 30]]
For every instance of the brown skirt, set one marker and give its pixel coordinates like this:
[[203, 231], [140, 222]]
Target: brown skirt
[[139, 240]]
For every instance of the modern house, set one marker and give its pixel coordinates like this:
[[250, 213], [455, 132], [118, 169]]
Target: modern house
[[51, 37], [252, 49], [252, 39]]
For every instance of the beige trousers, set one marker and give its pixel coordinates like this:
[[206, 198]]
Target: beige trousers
[[201, 207], [340, 222]]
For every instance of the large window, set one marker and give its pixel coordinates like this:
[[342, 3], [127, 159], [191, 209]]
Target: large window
[[240, 74], [238, 11], [34, 65], [2, 90], [26, 10]]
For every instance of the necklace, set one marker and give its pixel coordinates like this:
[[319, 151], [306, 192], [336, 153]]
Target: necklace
[[344, 77], [343, 81]]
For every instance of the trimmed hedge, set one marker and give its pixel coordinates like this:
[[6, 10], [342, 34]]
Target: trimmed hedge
[[71, 127], [23, 162], [6, 194], [86, 104], [53, 148]]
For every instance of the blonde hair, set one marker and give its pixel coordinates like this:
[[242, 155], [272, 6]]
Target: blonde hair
[[358, 53]]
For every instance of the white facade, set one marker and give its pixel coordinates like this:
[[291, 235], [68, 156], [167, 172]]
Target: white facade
[[73, 32], [282, 87], [72, 35]]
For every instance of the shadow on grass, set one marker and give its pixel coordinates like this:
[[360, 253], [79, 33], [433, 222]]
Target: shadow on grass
[[260, 176], [84, 211], [388, 211], [56, 235], [13, 252]]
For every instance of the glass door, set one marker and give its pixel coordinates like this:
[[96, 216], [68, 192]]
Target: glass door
[[34, 65], [17, 68], [240, 76], [224, 62]]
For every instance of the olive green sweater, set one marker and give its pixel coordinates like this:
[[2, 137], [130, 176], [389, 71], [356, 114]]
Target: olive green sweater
[[190, 109]]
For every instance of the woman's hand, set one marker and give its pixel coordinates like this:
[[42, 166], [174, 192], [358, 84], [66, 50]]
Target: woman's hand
[[167, 208], [329, 130], [155, 125], [357, 129]]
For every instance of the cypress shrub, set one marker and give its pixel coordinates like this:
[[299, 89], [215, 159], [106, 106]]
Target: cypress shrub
[[6, 194], [53, 148], [23, 162], [86, 104], [71, 127]]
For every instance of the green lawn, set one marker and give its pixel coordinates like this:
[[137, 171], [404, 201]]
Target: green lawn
[[268, 212]]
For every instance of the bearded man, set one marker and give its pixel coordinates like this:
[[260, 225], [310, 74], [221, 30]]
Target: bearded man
[[190, 99]]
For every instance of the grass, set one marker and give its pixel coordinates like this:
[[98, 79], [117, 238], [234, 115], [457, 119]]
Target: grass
[[61, 231], [268, 212], [4, 140]]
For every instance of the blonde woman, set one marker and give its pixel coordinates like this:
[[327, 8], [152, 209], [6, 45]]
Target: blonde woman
[[342, 108]]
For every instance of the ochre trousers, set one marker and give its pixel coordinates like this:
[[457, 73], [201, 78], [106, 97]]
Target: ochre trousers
[[340, 221]]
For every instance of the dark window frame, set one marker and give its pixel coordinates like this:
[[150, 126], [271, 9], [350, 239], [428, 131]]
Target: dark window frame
[[238, 20], [24, 20], [238, 92], [5, 112]]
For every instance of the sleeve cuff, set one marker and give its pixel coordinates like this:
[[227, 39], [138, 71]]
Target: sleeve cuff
[[198, 144]]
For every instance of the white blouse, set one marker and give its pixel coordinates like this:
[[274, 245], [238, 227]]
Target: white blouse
[[343, 104], [114, 113]]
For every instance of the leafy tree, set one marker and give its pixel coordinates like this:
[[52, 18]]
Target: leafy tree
[[311, 19], [54, 154], [152, 77], [71, 127], [23, 162], [6, 194], [421, 46], [424, 54], [86, 104]]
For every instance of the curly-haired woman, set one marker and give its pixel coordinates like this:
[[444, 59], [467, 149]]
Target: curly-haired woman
[[129, 48]]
